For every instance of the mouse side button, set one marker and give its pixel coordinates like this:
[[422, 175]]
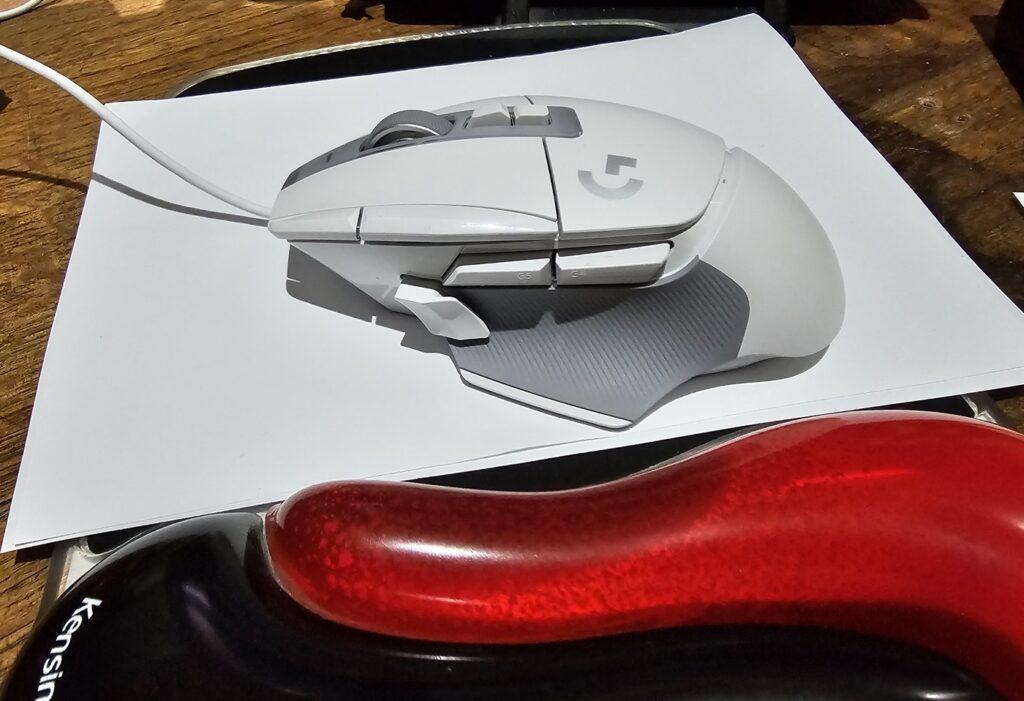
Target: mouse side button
[[442, 315], [611, 266], [327, 225], [491, 114], [531, 115], [416, 223], [507, 101], [530, 269]]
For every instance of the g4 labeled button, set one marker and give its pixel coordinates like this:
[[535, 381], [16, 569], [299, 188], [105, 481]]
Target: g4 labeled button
[[611, 266]]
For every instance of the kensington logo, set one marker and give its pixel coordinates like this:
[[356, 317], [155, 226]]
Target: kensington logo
[[51, 667]]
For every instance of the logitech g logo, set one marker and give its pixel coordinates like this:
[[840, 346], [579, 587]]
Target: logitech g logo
[[612, 166]]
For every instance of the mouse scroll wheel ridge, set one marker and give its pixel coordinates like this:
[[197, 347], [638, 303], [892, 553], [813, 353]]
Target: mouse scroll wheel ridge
[[407, 125]]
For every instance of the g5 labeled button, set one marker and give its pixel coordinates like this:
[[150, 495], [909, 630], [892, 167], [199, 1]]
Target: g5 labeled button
[[506, 269]]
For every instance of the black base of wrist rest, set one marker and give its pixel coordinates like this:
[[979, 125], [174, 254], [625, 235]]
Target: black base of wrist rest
[[191, 611]]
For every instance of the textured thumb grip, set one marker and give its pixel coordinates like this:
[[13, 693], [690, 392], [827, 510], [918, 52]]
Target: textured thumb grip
[[904, 525], [611, 350]]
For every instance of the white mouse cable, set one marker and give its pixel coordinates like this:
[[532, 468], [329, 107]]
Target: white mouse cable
[[19, 10], [136, 139]]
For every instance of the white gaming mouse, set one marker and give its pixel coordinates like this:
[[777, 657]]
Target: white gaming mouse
[[582, 257]]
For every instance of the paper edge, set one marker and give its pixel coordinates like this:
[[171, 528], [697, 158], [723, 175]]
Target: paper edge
[[789, 412]]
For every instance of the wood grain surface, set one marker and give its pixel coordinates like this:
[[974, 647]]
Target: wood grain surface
[[918, 78]]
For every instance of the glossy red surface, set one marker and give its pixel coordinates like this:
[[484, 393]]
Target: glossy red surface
[[902, 524]]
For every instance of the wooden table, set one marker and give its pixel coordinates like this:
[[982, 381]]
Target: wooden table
[[918, 78]]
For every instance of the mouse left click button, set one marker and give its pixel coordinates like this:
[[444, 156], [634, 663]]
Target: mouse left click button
[[326, 225]]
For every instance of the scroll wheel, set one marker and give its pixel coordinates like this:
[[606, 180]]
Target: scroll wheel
[[407, 125]]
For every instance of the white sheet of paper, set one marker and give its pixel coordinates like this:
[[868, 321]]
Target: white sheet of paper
[[181, 377]]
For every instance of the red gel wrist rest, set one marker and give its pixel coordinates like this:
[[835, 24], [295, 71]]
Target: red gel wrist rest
[[900, 524]]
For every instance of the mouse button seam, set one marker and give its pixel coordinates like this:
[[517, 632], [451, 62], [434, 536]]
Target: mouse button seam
[[726, 156], [739, 168], [535, 215], [554, 194]]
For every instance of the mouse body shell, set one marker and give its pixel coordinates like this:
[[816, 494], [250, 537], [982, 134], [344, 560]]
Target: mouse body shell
[[587, 170], [563, 194]]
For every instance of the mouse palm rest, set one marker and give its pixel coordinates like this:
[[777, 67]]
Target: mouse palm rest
[[606, 355]]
